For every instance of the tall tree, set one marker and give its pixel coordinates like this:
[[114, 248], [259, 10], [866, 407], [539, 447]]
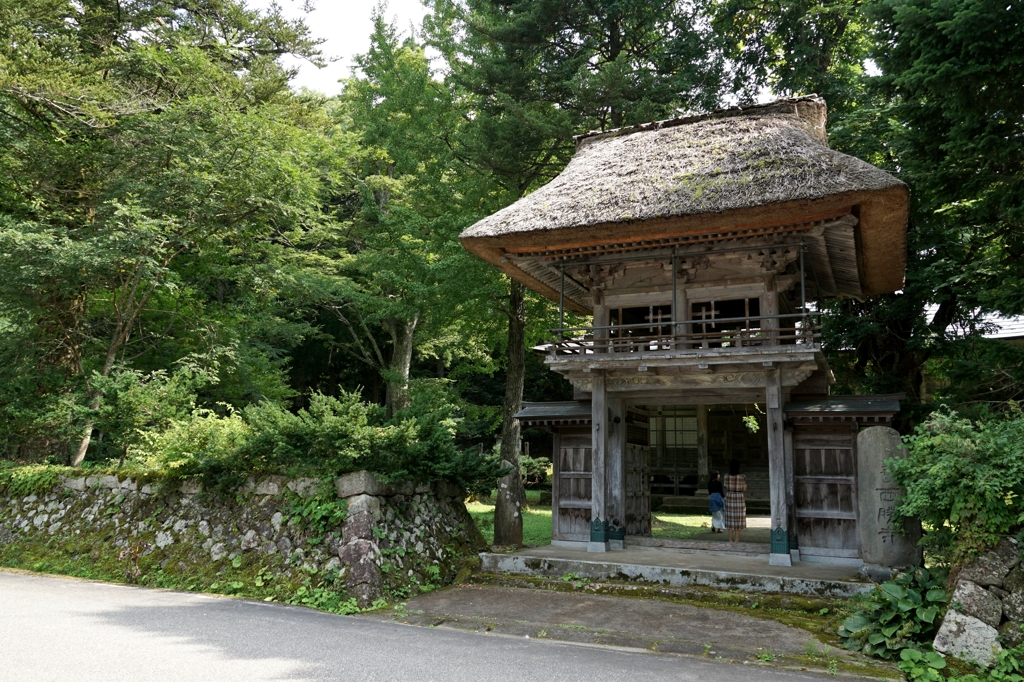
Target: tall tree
[[534, 73], [797, 47], [946, 115], [405, 269], [143, 144]]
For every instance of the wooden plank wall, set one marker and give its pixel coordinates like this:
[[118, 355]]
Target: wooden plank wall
[[571, 499], [638, 492], [825, 490]]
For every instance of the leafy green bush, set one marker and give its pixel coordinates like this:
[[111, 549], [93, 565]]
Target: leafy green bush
[[896, 615], [30, 479], [964, 480], [534, 471], [319, 513], [922, 665], [333, 436]]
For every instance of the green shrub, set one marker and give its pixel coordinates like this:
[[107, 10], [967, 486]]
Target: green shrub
[[204, 446], [964, 479], [896, 615], [534, 471], [333, 436], [921, 665], [30, 479]]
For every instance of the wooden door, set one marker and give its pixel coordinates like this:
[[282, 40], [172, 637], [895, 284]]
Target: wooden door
[[825, 492], [571, 501], [638, 489]]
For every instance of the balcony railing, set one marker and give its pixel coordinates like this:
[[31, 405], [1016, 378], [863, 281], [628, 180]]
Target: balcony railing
[[689, 335]]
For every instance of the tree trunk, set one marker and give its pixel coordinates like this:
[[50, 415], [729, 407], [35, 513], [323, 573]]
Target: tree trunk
[[508, 509], [402, 332], [108, 366]]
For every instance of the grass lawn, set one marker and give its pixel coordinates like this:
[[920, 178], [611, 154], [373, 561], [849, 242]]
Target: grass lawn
[[677, 526], [537, 522]]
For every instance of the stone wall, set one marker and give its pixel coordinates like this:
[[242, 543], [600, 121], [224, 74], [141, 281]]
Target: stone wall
[[987, 607], [394, 537]]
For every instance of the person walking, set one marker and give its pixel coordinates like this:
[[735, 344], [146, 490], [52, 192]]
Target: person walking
[[735, 485], [716, 503]]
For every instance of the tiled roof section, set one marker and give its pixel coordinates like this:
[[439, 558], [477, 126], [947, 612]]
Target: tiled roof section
[[889, 404], [574, 411]]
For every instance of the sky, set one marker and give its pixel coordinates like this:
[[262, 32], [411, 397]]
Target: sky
[[345, 26]]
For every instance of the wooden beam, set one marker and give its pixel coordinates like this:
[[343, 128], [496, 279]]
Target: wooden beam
[[599, 445], [777, 468], [615, 481]]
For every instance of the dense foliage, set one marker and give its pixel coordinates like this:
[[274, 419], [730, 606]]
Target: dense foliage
[[899, 614], [207, 269], [964, 479]]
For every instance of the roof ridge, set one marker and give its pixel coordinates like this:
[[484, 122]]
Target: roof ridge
[[727, 112]]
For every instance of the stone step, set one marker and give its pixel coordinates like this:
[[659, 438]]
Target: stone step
[[667, 569]]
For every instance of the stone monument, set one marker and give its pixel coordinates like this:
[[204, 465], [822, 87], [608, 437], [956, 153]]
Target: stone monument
[[883, 547]]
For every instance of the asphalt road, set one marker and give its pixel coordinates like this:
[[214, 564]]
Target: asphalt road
[[61, 629]]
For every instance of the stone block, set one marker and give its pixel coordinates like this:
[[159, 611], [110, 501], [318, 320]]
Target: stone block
[[359, 483], [109, 482], [218, 551], [1011, 634], [74, 483], [978, 602], [1014, 580], [967, 638], [358, 527], [1013, 605], [129, 484], [359, 555], [877, 497], [364, 482], [190, 487], [304, 487], [251, 540], [271, 485], [992, 567], [164, 539], [365, 594], [545, 498], [364, 504]]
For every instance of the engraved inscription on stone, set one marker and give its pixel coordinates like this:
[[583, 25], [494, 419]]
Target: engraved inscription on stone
[[878, 495]]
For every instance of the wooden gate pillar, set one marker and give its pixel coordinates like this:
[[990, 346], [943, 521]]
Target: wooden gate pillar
[[777, 470], [599, 448], [615, 481], [794, 545]]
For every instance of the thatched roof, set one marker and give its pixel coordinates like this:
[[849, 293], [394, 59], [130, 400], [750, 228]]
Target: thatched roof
[[759, 165]]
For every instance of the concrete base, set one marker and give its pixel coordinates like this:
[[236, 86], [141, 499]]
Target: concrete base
[[672, 568], [833, 560], [616, 544], [780, 560], [597, 547], [575, 544], [794, 554]]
